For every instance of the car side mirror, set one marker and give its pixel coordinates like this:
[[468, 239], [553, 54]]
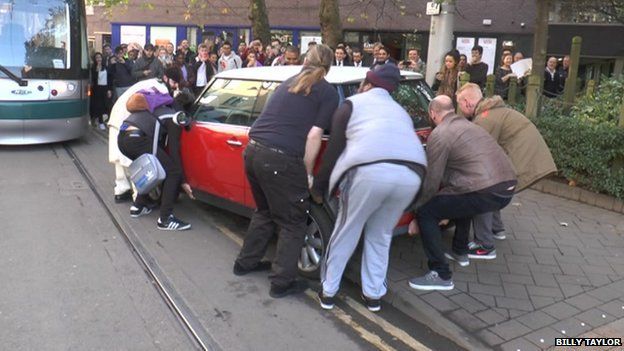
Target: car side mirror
[[181, 119]]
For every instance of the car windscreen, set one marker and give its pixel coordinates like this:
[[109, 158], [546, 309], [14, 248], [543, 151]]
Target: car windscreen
[[413, 95]]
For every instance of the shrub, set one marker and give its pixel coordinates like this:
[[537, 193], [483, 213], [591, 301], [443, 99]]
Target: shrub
[[586, 143]]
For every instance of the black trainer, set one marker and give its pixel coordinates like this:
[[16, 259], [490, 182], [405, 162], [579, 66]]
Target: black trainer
[[261, 266], [123, 197], [172, 223], [327, 302], [138, 211], [295, 287], [373, 305]]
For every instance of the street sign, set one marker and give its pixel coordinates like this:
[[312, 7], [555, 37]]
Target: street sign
[[433, 8]]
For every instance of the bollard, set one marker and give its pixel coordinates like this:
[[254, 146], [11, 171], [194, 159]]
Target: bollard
[[464, 77], [512, 94], [533, 95], [621, 122], [489, 85], [591, 86], [570, 84]]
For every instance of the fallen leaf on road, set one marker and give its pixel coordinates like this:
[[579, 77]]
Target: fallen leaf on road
[[563, 224]]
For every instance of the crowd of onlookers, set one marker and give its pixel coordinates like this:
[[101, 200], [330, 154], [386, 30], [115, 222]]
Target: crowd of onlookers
[[447, 80], [114, 71]]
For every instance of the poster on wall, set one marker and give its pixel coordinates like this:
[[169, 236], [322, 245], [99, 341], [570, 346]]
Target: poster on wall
[[464, 46], [305, 40], [160, 36], [489, 53], [132, 34]]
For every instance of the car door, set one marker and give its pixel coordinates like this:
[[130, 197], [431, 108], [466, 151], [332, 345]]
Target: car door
[[213, 147], [267, 89]]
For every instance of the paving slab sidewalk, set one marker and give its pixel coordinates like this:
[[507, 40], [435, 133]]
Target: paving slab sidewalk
[[559, 273]]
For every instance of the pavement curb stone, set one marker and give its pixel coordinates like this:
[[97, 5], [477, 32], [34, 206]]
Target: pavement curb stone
[[581, 195]]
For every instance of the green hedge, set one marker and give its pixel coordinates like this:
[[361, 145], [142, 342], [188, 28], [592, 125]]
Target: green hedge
[[586, 143]]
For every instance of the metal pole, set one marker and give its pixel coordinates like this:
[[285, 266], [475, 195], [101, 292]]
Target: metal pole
[[440, 39]]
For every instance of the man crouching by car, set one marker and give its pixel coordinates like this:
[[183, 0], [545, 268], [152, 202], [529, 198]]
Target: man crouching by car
[[468, 174], [377, 163]]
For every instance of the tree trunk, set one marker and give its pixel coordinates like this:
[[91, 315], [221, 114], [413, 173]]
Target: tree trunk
[[540, 38], [331, 26], [259, 21]]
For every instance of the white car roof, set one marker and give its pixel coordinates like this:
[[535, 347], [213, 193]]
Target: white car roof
[[336, 75]]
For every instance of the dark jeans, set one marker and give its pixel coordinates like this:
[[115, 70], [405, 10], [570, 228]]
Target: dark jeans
[[135, 146], [280, 188], [460, 208]]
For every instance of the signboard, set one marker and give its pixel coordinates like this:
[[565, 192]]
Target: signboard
[[489, 53], [163, 35], [133, 34], [433, 8], [464, 46], [305, 40]]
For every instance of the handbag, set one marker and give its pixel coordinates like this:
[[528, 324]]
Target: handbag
[[146, 172]]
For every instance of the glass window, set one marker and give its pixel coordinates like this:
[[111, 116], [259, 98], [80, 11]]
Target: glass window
[[284, 36], [35, 34], [413, 95], [160, 36], [228, 101], [266, 91]]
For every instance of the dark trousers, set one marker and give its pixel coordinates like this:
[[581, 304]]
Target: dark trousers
[[280, 188], [460, 208], [132, 146]]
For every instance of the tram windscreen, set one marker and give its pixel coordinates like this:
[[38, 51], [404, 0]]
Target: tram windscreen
[[35, 36]]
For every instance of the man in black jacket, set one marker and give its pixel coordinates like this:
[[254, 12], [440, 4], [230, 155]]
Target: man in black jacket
[[202, 69], [121, 71]]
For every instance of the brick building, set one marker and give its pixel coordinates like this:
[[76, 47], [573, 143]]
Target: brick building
[[498, 23]]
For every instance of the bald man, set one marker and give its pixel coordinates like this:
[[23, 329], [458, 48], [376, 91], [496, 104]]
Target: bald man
[[468, 174], [552, 79], [524, 145]]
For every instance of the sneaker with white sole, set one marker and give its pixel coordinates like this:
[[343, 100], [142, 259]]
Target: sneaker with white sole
[[373, 305], [499, 235], [461, 260], [482, 253], [172, 223], [431, 281], [327, 302], [138, 211]]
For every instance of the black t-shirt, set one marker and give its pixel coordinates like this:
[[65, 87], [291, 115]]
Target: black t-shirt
[[287, 118], [478, 73]]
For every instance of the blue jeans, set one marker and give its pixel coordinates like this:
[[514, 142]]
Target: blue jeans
[[460, 208]]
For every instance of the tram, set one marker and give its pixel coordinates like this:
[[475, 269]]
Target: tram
[[44, 71]]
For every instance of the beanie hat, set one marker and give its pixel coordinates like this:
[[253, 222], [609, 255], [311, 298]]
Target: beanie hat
[[385, 76], [136, 103]]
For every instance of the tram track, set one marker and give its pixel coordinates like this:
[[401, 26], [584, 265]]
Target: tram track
[[201, 337]]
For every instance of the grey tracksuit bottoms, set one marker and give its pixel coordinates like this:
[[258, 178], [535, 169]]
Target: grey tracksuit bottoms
[[372, 199], [485, 225]]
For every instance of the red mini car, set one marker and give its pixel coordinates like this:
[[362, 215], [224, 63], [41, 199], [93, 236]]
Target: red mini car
[[213, 144]]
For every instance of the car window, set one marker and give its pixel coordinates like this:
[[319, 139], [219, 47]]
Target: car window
[[413, 95], [228, 101], [266, 91]]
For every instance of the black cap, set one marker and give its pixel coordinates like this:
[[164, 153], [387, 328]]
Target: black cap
[[149, 46]]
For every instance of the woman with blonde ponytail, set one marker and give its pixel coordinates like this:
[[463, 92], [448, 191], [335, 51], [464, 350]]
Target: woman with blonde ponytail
[[283, 145]]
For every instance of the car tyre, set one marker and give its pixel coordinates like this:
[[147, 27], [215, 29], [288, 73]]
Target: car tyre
[[318, 231]]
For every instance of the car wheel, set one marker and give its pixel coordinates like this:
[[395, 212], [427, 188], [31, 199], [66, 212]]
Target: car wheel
[[318, 230]]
